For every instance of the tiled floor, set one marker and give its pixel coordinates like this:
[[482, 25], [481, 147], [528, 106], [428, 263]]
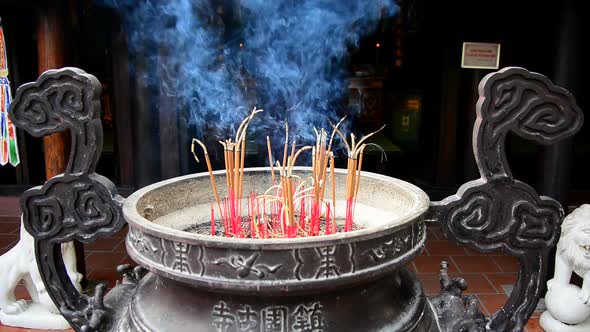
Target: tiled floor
[[486, 274]]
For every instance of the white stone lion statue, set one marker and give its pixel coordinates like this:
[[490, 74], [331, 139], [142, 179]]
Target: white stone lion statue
[[19, 264], [568, 306]]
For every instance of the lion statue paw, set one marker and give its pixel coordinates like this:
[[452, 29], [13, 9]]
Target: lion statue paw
[[16, 307], [19, 264], [568, 306]]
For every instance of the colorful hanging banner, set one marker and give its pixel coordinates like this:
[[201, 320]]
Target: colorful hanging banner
[[8, 145]]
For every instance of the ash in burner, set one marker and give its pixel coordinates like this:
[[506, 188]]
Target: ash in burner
[[205, 229]]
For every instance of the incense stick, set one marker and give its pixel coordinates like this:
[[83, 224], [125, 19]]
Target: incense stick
[[286, 147], [360, 165], [272, 171], [333, 184], [209, 168]]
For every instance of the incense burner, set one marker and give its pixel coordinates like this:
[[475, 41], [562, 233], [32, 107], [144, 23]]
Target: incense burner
[[353, 281], [279, 284]]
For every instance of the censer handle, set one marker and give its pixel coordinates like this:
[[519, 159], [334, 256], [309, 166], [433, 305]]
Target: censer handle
[[498, 212], [78, 204]]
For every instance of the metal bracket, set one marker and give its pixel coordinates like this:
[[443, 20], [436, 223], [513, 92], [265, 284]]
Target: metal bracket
[[498, 211], [78, 204]]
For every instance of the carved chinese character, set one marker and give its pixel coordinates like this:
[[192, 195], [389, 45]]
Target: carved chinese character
[[181, 257], [223, 318], [247, 319], [275, 319], [308, 318], [328, 267], [302, 324], [316, 318], [301, 316]]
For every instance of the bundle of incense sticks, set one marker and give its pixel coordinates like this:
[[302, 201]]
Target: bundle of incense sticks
[[322, 156], [230, 208], [287, 209], [353, 174], [287, 194]]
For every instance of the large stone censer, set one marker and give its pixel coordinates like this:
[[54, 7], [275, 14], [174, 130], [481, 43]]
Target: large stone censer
[[354, 281]]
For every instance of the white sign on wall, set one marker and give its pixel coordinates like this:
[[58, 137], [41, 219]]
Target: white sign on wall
[[480, 56]]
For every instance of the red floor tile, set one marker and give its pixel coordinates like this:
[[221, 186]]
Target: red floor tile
[[443, 248], [10, 214], [533, 325], [127, 260], [476, 284], [430, 283], [121, 246], [475, 264], [435, 233], [104, 260], [122, 233], [536, 314], [506, 263], [501, 279], [431, 264], [483, 309], [15, 218], [20, 292], [8, 227], [492, 302], [109, 275], [7, 240], [473, 252], [9, 200], [103, 244], [9, 210]]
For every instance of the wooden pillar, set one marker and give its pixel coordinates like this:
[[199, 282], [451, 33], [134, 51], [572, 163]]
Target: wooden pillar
[[169, 145], [446, 172], [122, 110], [51, 48], [50, 45], [145, 128]]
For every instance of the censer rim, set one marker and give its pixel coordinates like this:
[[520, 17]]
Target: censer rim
[[419, 207]]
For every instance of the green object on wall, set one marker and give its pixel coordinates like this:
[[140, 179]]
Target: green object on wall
[[406, 122]]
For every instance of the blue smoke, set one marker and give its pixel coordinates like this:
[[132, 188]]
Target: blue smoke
[[219, 60]]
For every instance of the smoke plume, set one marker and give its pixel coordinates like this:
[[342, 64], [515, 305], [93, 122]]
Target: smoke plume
[[221, 58]]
